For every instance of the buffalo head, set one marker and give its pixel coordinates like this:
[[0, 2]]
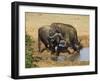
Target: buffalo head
[[56, 41]]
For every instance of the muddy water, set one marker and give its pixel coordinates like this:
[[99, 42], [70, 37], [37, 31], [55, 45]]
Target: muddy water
[[83, 56]]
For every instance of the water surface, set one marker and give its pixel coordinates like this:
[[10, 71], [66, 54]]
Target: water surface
[[84, 54]]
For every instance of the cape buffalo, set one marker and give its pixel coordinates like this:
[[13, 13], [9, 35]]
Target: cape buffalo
[[49, 38], [70, 35]]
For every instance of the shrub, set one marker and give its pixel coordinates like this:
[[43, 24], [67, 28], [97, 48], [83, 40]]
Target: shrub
[[28, 51]]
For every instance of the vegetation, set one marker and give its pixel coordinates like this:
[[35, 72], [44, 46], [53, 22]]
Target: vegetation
[[28, 52]]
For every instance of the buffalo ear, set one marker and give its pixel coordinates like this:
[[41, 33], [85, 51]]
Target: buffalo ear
[[79, 40], [80, 44]]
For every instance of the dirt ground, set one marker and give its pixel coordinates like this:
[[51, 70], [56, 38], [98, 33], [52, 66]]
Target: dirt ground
[[35, 20], [46, 60]]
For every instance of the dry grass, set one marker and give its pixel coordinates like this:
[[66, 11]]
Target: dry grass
[[84, 40]]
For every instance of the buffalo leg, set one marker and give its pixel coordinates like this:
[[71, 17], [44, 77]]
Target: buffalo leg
[[39, 45], [57, 55]]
